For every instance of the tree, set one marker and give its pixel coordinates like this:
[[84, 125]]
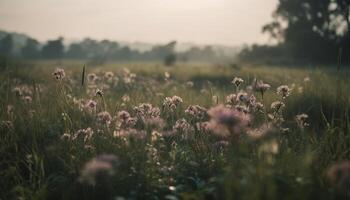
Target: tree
[[312, 30], [6, 45], [31, 49], [53, 49]]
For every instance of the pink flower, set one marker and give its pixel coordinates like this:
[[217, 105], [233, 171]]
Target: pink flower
[[226, 121], [59, 73]]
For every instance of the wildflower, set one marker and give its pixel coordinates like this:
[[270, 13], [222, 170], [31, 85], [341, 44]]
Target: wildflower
[[177, 100], [91, 104], [258, 106], [84, 134], [123, 115], [284, 91], [241, 108], [243, 97], [189, 84], [131, 121], [339, 175], [104, 118], [237, 81], [124, 120], [277, 105], [183, 126], [146, 110], [59, 73], [172, 102], [125, 98], [99, 168], [99, 93], [126, 71], [231, 99], [203, 126], [301, 120], [307, 79], [195, 111], [166, 75], [27, 99], [109, 75], [225, 121], [261, 87], [251, 100], [92, 77]]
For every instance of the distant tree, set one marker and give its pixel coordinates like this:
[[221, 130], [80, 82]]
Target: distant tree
[[6, 45], [53, 49], [170, 60], [312, 30], [76, 51], [31, 49]]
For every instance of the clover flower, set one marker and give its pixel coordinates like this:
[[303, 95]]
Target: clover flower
[[189, 84], [99, 168], [59, 73], [242, 97], [231, 99], [125, 98], [183, 126], [196, 111], [172, 103], [301, 120], [227, 122], [284, 91], [109, 75], [85, 134], [124, 120], [91, 104], [261, 87], [27, 99], [104, 118], [277, 105], [237, 81]]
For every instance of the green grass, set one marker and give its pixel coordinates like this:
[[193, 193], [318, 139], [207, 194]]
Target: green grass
[[36, 163]]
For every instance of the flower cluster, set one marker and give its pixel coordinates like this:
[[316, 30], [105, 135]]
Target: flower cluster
[[171, 103]]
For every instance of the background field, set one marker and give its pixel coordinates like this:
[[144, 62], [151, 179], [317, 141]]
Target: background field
[[38, 164]]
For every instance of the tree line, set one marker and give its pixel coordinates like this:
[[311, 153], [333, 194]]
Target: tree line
[[104, 50]]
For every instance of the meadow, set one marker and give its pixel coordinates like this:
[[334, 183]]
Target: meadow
[[191, 131]]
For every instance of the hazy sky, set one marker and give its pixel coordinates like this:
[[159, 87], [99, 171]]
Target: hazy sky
[[229, 22]]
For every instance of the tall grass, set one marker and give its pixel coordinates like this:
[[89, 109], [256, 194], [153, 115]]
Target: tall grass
[[38, 162]]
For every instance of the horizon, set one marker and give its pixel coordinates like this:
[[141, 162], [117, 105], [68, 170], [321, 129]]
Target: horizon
[[163, 20]]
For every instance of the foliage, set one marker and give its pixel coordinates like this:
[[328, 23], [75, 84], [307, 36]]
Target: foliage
[[309, 31]]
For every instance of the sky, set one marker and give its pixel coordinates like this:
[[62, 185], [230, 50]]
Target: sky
[[226, 22]]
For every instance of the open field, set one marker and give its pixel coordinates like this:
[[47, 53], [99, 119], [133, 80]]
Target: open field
[[145, 131]]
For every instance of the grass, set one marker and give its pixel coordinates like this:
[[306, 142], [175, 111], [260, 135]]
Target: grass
[[47, 152]]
